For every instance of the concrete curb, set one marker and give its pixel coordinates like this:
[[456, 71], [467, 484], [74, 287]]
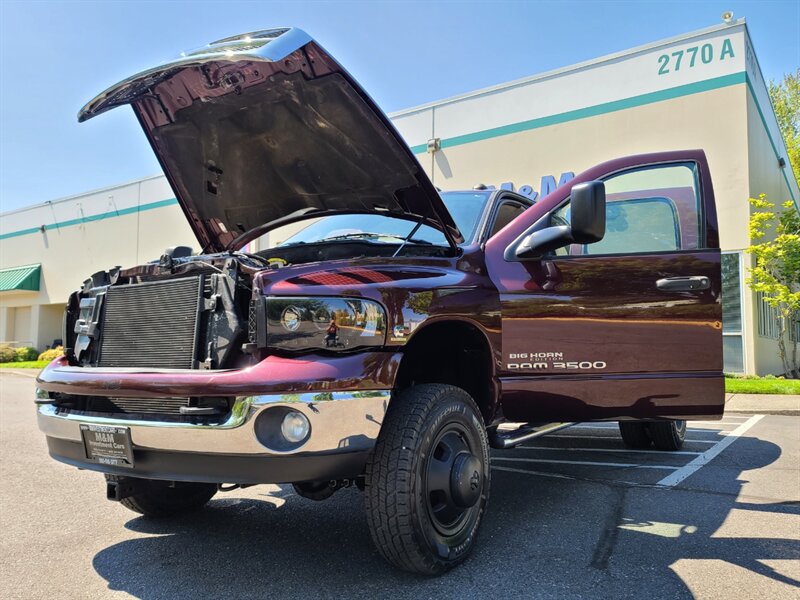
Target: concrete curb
[[766, 404], [32, 373], [761, 411]]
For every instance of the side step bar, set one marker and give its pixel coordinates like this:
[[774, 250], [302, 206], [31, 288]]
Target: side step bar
[[508, 439]]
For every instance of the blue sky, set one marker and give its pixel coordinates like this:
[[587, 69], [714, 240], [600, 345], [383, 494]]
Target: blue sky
[[54, 56]]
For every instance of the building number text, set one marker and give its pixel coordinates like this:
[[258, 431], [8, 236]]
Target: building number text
[[690, 57]]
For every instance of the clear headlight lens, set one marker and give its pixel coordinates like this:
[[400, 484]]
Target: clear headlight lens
[[324, 323]]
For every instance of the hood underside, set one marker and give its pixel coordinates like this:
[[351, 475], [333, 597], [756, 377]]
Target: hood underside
[[263, 129]]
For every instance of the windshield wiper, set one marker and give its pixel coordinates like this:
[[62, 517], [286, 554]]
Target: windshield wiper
[[370, 236]]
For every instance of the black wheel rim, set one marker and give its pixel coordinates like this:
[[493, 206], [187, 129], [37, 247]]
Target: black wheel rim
[[452, 455]]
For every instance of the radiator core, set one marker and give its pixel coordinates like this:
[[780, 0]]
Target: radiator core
[[151, 324]]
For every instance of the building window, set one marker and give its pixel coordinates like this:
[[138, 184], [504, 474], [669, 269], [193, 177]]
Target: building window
[[732, 340], [769, 321]]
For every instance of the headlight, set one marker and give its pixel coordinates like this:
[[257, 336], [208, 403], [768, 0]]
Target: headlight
[[324, 323]]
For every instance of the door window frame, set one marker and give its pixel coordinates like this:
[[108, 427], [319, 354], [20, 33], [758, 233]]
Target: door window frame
[[699, 170], [699, 198]]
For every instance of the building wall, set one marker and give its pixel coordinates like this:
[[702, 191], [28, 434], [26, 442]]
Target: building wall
[[676, 124], [75, 237], [22, 324], [765, 176], [50, 318]]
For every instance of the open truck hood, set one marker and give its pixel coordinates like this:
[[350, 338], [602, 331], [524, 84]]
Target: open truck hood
[[262, 129]]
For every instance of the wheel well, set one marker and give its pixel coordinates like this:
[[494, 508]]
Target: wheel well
[[452, 352]]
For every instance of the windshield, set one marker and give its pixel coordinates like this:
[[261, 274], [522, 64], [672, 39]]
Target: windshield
[[465, 207]]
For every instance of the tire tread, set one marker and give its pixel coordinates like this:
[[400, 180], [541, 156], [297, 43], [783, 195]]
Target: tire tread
[[665, 436], [635, 434]]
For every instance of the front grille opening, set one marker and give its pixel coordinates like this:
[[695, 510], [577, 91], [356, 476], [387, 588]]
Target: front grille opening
[[198, 410]]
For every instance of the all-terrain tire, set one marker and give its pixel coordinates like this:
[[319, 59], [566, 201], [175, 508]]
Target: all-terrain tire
[[429, 430], [165, 498], [667, 435], [635, 434]]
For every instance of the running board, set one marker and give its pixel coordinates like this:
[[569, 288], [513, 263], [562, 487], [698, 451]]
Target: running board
[[509, 439]]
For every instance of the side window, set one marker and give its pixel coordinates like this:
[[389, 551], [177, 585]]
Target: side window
[[507, 212], [652, 209]]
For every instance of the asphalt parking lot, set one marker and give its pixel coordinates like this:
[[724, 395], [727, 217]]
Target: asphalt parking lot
[[573, 515]]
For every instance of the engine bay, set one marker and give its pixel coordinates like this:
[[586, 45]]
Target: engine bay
[[189, 311]]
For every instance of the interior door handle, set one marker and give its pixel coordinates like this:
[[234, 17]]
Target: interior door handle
[[683, 284]]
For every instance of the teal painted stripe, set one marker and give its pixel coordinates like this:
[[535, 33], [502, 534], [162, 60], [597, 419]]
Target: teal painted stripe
[[771, 141], [593, 111], [98, 217]]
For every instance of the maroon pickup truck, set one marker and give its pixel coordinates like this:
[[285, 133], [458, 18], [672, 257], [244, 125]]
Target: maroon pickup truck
[[395, 333]]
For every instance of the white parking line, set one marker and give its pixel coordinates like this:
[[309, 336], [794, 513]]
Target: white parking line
[[693, 423], [587, 463], [611, 437], [696, 464], [689, 424], [623, 450], [569, 477], [724, 418]]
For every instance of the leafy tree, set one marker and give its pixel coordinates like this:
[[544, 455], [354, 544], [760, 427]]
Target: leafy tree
[[786, 102], [776, 270]]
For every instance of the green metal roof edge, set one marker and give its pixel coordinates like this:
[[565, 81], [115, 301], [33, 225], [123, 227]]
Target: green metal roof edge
[[28, 278]]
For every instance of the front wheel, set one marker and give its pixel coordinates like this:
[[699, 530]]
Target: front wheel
[[427, 480]]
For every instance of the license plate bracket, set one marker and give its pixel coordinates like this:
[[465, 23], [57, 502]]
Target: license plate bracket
[[108, 444]]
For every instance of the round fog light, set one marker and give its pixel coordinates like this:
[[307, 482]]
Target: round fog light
[[295, 427]]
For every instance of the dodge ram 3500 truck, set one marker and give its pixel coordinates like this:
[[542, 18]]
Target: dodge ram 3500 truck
[[384, 343]]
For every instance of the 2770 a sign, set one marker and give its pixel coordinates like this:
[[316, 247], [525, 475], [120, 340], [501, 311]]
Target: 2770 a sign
[[688, 58]]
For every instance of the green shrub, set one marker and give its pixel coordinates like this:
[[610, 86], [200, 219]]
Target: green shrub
[[26, 353], [7, 354], [52, 354]]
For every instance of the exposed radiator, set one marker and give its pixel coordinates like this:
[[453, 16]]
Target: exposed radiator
[[151, 324]]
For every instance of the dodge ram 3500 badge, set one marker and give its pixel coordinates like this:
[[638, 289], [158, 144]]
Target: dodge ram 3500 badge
[[383, 342]]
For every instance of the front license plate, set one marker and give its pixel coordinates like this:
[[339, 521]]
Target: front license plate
[[108, 444]]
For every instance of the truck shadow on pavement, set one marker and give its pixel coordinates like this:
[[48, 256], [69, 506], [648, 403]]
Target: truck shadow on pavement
[[542, 537]]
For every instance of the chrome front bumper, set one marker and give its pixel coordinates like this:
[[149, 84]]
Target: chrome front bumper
[[344, 428], [344, 398], [340, 422]]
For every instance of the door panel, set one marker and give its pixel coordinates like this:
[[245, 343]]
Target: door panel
[[631, 326]]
